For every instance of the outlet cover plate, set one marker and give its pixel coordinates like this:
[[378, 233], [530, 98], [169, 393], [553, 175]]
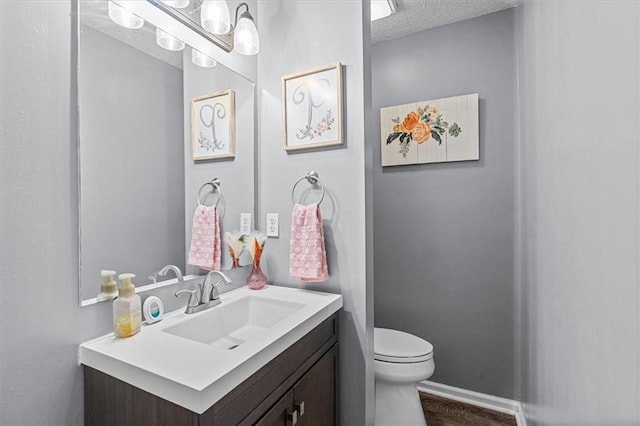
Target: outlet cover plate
[[245, 223], [272, 225]]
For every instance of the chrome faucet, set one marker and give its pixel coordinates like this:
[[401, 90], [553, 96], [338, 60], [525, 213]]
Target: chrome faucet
[[209, 291], [205, 295], [162, 272]]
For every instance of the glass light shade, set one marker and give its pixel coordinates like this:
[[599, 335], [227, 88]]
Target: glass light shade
[[214, 16], [245, 37], [178, 4], [202, 60], [123, 17], [381, 9], [167, 41]]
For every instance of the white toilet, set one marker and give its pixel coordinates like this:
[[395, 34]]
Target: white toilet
[[401, 360]]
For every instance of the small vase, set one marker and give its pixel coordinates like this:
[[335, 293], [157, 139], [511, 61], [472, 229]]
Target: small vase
[[256, 279]]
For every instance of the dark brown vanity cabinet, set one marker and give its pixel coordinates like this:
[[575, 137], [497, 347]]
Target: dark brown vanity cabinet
[[298, 387], [311, 401]]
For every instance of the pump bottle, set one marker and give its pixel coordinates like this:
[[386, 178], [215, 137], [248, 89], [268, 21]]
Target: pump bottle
[[108, 289], [126, 308]]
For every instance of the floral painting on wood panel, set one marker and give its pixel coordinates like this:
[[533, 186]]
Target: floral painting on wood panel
[[435, 131]]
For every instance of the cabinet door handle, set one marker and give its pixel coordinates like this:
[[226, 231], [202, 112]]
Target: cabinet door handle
[[300, 408], [292, 418]]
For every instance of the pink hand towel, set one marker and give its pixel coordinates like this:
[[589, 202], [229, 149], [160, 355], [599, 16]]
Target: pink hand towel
[[205, 250], [308, 257]]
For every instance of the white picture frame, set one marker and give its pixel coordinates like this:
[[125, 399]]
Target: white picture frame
[[312, 108], [213, 126]]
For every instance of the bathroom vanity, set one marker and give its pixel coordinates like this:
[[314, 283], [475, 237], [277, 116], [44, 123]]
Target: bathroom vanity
[[225, 366]]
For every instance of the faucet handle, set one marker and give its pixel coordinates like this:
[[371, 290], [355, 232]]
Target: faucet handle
[[215, 294], [194, 297]]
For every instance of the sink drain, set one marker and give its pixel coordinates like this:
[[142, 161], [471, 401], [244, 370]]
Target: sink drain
[[232, 347]]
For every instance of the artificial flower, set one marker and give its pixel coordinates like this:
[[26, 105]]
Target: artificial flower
[[255, 245], [235, 241]]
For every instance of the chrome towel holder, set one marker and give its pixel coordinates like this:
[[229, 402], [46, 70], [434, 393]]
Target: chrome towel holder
[[215, 187], [311, 177]]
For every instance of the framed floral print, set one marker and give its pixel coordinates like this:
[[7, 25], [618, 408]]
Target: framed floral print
[[436, 131], [312, 103], [213, 126]]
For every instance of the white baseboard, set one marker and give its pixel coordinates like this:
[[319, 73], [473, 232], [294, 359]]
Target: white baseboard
[[502, 405]]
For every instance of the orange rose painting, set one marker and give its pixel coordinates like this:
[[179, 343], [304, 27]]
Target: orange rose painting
[[410, 122], [430, 131], [421, 126], [421, 133]]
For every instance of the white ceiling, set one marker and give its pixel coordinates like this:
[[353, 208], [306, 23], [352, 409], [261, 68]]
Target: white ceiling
[[413, 16]]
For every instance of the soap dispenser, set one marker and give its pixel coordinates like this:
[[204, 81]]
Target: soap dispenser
[[126, 308], [108, 288]]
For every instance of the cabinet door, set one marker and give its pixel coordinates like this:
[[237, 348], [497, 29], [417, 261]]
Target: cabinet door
[[278, 414], [314, 396]]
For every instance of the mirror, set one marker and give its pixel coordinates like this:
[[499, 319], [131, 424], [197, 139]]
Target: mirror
[[138, 184]]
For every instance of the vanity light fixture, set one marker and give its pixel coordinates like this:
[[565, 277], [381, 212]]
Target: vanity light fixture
[[202, 60], [215, 18], [122, 16], [178, 4], [167, 41], [245, 37], [382, 8]]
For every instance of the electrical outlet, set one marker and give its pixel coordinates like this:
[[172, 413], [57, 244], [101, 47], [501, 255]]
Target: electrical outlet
[[245, 223], [272, 225]]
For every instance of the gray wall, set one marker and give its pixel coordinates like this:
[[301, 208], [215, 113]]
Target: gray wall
[[41, 323], [304, 35], [132, 176], [236, 175], [444, 233], [579, 71]]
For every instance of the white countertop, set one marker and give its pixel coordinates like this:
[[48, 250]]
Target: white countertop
[[196, 375]]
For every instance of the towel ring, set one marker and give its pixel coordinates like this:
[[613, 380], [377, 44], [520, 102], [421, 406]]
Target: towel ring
[[313, 179], [215, 186]]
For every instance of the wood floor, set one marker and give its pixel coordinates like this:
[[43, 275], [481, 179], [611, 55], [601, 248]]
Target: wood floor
[[446, 412]]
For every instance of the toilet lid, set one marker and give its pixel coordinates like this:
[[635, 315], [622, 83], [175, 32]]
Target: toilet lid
[[398, 346]]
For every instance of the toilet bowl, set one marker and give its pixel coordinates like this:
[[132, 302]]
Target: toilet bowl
[[400, 361]]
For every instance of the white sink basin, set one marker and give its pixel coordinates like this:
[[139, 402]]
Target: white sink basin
[[195, 360], [229, 325]]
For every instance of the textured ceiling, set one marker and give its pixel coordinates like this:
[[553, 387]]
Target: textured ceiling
[[413, 16]]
